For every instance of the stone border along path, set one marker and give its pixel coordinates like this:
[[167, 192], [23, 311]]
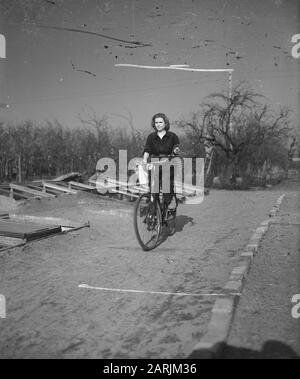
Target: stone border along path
[[224, 307]]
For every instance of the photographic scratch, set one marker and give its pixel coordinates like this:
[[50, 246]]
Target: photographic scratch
[[50, 2], [141, 44], [84, 71]]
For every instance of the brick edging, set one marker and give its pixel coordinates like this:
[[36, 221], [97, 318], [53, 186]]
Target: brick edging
[[211, 343]]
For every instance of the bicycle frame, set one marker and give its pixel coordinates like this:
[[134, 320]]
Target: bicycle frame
[[154, 215]]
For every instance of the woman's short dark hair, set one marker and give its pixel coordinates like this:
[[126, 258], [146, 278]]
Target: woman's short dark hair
[[164, 117]]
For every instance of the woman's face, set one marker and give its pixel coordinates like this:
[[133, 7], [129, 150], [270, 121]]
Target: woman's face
[[159, 123]]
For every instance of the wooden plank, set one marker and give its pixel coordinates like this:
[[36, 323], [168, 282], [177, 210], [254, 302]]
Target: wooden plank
[[15, 227], [35, 186], [49, 191], [118, 183], [43, 233], [9, 241], [17, 196], [97, 183], [60, 184], [30, 191], [121, 183], [112, 184], [187, 189], [59, 188], [4, 187], [130, 186], [26, 231], [82, 185], [107, 186], [67, 176], [43, 220], [4, 214], [125, 193]]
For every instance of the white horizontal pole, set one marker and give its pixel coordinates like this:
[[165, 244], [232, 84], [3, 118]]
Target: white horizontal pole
[[155, 292], [176, 67]]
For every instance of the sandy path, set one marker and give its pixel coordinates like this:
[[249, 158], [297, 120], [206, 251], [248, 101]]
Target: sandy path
[[48, 316], [263, 326]]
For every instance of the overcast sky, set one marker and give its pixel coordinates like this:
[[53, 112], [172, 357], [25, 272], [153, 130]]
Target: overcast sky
[[57, 73]]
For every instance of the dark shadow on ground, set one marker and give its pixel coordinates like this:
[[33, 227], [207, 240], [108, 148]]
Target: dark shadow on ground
[[167, 232], [271, 350], [182, 220]]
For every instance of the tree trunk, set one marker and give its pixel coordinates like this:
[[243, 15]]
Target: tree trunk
[[227, 173]]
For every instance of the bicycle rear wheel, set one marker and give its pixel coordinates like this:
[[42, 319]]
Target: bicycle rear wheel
[[147, 222]]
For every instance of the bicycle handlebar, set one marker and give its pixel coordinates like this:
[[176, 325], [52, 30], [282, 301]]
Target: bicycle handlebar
[[159, 162], [169, 156]]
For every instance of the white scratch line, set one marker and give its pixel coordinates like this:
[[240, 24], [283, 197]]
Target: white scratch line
[[156, 292], [177, 67]]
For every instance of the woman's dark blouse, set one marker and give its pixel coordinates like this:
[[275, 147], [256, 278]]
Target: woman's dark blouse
[[156, 146]]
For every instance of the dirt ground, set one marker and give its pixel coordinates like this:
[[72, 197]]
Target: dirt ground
[[49, 316]]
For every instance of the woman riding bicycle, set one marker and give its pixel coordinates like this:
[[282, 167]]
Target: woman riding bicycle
[[162, 143]]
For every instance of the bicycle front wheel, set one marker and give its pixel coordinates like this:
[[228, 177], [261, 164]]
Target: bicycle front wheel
[[147, 222]]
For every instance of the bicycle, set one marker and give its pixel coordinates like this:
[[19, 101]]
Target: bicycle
[[151, 214]]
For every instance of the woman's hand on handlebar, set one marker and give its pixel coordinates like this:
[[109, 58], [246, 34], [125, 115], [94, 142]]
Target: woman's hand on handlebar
[[146, 166], [176, 150]]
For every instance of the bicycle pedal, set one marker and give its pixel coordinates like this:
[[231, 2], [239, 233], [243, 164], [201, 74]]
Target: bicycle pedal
[[172, 231], [171, 215]]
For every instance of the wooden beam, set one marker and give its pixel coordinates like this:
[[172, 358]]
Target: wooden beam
[[40, 188], [107, 186], [27, 231], [66, 176], [9, 241], [59, 188], [112, 184], [125, 193], [81, 185], [45, 220], [6, 192], [14, 195], [119, 183], [30, 191]]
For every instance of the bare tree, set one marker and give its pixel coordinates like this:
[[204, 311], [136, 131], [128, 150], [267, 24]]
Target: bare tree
[[135, 142], [101, 129], [237, 126]]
